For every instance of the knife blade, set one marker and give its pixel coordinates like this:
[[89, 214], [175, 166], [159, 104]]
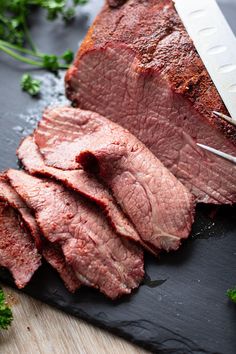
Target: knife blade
[[215, 43]]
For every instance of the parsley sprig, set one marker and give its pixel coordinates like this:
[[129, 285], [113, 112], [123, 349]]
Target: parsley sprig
[[50, 62], [30, 85], [15, 37], [6, 316]]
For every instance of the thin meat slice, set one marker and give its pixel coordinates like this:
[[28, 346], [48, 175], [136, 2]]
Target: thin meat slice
[[78, 180], [12, 198], [55, 257], [59, 131], [17, 250], [159, 206], [157, 203], [114, 266], [138, 67], [50, 252]]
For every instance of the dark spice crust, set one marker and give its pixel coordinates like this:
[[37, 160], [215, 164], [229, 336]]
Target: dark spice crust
[[116, 3], [153, 29]]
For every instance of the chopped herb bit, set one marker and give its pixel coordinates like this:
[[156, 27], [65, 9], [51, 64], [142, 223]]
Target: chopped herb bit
[[6, 316], [80, 2], [51, 63], [53, 7], [232, 294], [69, 14], [68, 56], [30, 85]]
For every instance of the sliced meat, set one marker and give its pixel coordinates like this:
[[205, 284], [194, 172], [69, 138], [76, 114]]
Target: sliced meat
[[157, 203], [17, 250], [55, 257], [159, 206], [78, 180], [114, 266], [138, 67], [58, 133], [10, 196], [51, 253]]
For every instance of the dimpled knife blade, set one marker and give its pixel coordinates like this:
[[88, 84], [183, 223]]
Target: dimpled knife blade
[[215, 43]]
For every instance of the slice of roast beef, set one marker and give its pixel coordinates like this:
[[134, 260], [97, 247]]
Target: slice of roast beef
[[159, 206], [99, 257], [17, 250], [9, 195], [78, 180], [50, 252], [138, 67], [55, 257]]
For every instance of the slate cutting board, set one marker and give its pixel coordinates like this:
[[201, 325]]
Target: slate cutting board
[[183, 308]]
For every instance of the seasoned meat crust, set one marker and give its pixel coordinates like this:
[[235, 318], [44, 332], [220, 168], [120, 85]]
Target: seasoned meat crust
[[115, 3], [154, 31]]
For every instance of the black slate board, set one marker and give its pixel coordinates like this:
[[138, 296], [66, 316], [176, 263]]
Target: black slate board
[[186, 310]]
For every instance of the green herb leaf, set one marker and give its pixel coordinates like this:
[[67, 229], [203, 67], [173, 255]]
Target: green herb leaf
[[53, 7], [68, 56], [80, 2], [6, 316], [68, 14], [30, 85], [50, 62], [232, 294]]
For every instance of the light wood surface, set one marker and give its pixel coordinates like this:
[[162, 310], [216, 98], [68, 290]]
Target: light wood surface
[[39, 328]]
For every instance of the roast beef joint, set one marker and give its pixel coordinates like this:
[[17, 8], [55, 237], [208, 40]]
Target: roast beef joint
[[120, 172]]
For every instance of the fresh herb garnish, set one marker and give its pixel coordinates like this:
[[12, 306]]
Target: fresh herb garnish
[[15, 37], [30, 85], [68, 56], [232, 294], [6, 316]]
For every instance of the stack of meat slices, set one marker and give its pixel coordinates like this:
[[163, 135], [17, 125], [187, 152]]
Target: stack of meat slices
[[92, 198]]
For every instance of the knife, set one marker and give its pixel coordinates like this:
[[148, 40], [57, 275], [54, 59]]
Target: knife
[[216, 45]]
